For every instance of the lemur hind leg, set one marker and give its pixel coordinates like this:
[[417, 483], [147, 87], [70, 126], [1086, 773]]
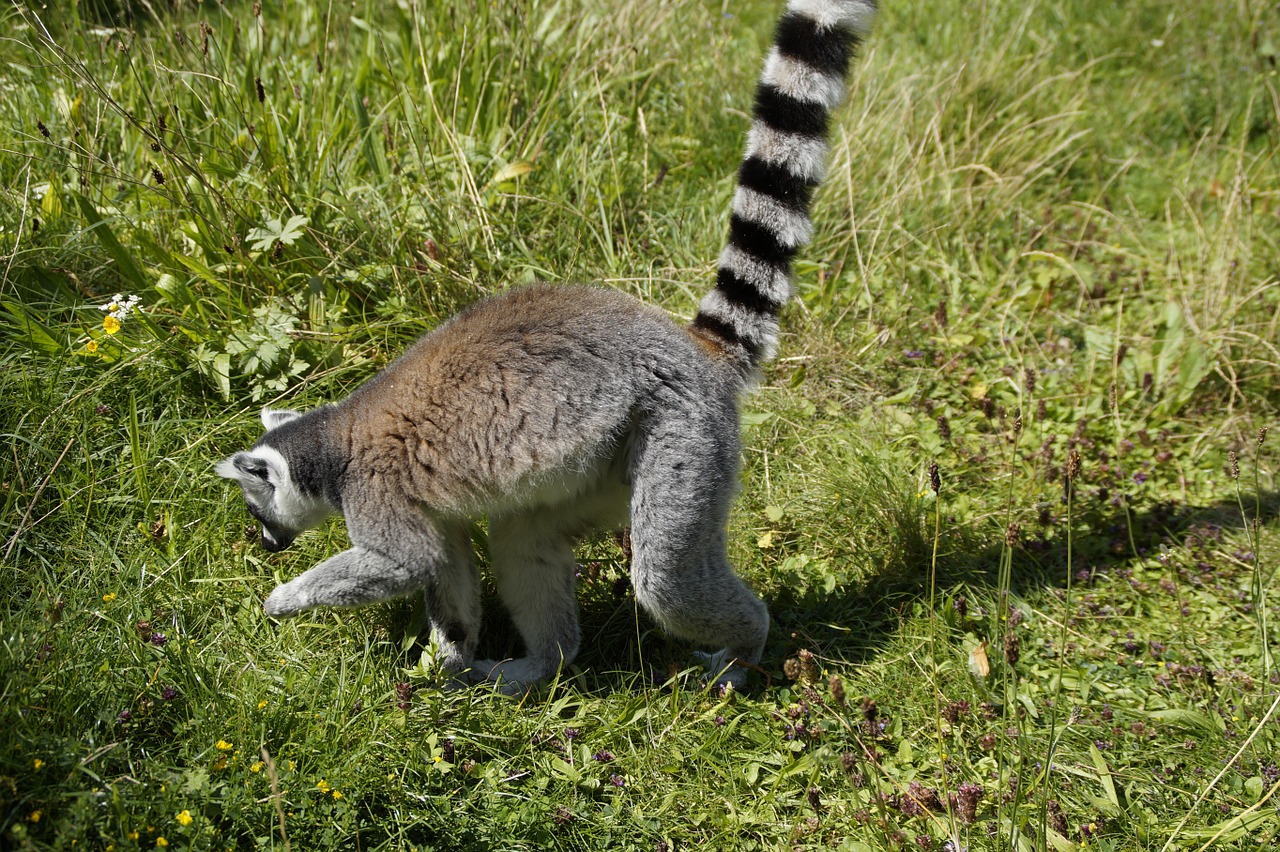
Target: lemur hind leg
[[684, 474]]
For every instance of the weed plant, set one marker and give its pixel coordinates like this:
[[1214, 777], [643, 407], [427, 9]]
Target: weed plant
[[1046, 265]]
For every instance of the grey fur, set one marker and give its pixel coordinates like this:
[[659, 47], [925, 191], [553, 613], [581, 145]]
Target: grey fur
[[553, 411]]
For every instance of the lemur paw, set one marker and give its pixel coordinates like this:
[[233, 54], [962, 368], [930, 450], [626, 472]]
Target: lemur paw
[[285, 601]]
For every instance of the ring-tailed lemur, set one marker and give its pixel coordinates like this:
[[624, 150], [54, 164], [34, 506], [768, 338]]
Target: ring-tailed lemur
[[554, 410]]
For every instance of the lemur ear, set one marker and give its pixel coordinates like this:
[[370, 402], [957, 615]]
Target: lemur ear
[[273, 417], [243, 467]]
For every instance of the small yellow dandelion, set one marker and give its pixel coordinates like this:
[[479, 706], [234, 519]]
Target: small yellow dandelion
[[256, 766], [110, 324], [223, 745], [262, 705], [38, 763], [108, 597], [161, 842], [184, 817], [322, 785], [91, 346], [336, 795], [35, 816]]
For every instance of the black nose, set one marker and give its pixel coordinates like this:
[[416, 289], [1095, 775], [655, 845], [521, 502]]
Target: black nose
[[273, 543]]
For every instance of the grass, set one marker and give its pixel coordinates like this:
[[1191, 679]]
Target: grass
[[1050, 233]]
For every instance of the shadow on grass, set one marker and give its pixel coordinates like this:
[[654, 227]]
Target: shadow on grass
[[856, 622]]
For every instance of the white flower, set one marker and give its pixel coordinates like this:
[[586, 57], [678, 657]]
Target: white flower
[[120, 306]]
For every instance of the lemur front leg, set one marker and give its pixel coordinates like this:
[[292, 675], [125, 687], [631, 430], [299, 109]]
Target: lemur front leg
[[398, 551]]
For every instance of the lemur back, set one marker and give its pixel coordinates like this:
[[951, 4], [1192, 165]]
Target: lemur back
[[553, 410]]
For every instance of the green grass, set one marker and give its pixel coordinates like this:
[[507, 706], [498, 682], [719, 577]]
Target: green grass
[[1051, 228]]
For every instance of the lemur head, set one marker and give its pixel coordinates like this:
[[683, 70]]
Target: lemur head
[[272, 492]]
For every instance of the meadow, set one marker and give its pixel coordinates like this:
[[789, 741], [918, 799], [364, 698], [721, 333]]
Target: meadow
[[1008, 489]]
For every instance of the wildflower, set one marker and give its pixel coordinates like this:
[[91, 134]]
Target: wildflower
[[44, 131], [836, 685], [404, 696], [935, 481], [571, 733], [262, 705], [336, 795], [132, 835], [967, 799], [91, 346], [1233, 463], [1011, 648], [719, 721], [108, 597], [223, 745], [34, 816], [814, 796], [1029, 379], [602, 756], [169, 693], [322, 785], [944, 427], [617, 781], [110, 324], [161, 842], [563, 815], [184, 817], [438, 759], [158, 639], [954, 710], [256, 766], [38, 764], [120, 307]]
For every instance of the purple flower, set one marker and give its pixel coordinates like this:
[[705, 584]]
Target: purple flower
[[617, 781], [571, 733], [602, 756], [158, 639], [169, 693], [913, 353], [719, 721]]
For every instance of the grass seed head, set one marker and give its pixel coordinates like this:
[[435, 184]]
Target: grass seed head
[[1233, 464], [1262, 436], [944, 427], [1029, 379]]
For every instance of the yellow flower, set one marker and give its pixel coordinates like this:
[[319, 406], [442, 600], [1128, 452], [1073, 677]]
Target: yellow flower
[[336, 795], [262, 705], [110, 324], [184, 817], [133, 835], [220, 764], [161, 842], [108, 597], [38, 763], [437, 758], [256, 766], [223, 745], [35, 816], [91, 346], [322, 785]]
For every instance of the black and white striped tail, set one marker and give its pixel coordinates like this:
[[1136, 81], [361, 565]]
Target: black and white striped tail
[[786, 158]]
